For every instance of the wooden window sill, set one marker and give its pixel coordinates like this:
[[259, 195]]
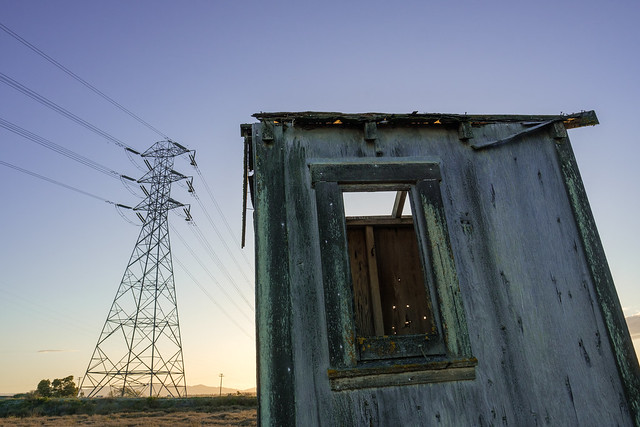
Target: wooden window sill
[[399, 374]]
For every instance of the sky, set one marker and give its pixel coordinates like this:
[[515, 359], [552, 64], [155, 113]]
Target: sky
[[196, 70]]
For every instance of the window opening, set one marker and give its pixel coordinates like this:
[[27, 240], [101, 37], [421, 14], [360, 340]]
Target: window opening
[[390, 296], [407, 230]]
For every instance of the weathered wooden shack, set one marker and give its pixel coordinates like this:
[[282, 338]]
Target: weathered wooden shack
[[482, 297]]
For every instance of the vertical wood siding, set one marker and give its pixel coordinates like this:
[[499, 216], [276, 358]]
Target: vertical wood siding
[[532, 309]]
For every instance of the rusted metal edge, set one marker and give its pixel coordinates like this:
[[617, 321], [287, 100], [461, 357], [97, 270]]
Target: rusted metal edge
[[320, 119]]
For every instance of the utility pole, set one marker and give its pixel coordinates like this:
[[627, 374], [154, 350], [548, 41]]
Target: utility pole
[[139, 351], [221, 375]]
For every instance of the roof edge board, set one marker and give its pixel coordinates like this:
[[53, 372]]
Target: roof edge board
[[571, 121]]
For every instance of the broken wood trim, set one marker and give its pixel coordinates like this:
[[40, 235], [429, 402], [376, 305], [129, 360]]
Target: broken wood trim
[[484, 144], [245, 180], [313, 119], [606, 295]]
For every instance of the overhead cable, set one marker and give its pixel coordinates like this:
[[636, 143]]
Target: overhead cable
[[205, 243], [59, 149], [44, 178], [41, 99], [222, 239], [49, 314], [211, 298], [197, 259], [79, 79], [224, 219]]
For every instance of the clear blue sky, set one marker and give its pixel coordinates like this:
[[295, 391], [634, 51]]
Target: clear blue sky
[[198, 69]]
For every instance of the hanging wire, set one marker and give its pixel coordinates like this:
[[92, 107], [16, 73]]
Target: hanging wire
[[46, 311], [58, 148], [44, 178], [202, 265], [79, 79], [129, 151], [126, 182], [48, 103], [221, 240], [211, 298], [205, 243], [130, 154], [119, 210], [217, 206]]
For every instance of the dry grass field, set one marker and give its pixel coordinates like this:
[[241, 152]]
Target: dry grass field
[[231, 410], [231, 417]]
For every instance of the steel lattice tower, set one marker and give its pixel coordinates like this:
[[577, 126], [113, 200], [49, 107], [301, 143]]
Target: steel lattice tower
[[139, 351]]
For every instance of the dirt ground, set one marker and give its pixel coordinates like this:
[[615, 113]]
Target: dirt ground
[[232, 417]]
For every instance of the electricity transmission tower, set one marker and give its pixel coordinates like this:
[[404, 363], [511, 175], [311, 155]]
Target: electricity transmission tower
[[139, 352]]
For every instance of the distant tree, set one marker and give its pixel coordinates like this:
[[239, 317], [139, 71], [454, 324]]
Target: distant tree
[[44, 388], [64, 387], [69, 388], [56, 387]]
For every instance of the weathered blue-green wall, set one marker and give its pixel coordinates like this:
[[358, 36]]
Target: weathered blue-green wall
[[534, 318]]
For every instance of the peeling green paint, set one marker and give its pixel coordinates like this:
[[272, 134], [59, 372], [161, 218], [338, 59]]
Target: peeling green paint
[[603, 282]]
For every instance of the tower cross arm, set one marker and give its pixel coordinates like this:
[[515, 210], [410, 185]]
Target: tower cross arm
[[165, 148]]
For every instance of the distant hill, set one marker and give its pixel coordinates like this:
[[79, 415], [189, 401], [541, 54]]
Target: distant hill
[[633, 322], [204, 390]]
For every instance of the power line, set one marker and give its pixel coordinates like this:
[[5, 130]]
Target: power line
[[222, 240], [79, 79], [48, 103], [34, 95], [9, 165], [46, 312], [204, 291], [59, 149], [204, 242], [197, 259], [224, 219], [44, 178]]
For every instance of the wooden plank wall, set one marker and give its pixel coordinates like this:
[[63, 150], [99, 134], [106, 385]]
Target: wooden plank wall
[[535, 326]]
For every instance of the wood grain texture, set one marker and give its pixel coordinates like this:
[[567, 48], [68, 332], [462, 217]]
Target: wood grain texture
[[361, 271], [526, 284], [607, 296], [273, 297]]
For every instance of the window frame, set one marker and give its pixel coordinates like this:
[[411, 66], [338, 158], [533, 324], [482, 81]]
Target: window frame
[[421, 178]]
